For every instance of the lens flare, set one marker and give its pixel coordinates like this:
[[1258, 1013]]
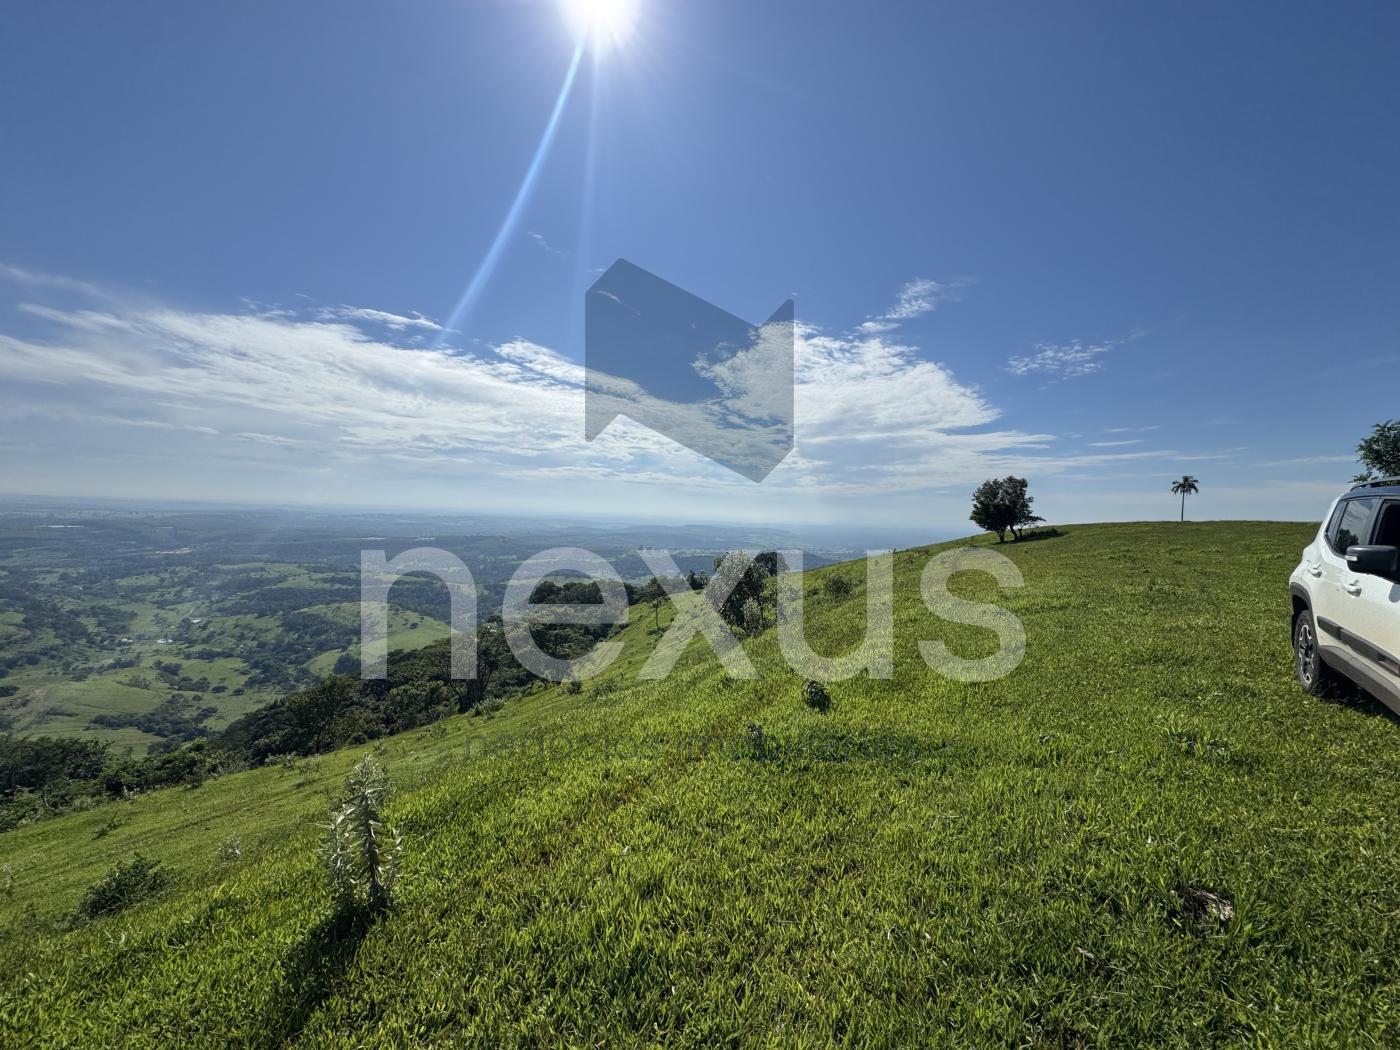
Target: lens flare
[[603, 22]]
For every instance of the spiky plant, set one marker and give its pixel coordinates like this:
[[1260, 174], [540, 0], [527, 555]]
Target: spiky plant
[[362, 852]]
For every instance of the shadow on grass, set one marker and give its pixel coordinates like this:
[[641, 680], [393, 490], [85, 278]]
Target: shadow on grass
[[314, 971], [1354, 697], [1041, 534], [989, 539]]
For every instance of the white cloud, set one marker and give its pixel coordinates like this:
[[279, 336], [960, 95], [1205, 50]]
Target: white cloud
[[36, 279], [399, 322], [1061, 360], [918, 297], [349, 391], [1308, 461]]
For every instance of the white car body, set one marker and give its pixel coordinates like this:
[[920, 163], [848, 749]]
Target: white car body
[[1351, 617]]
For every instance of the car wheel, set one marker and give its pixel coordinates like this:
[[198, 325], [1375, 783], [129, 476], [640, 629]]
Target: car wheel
[[1313, 673]]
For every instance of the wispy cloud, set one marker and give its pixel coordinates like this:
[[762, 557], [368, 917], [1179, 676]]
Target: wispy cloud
[[1115, 444], [264, 439], [398, 322], [1307, 461], [1061, 360], [918, 297], [539, 239], [153, 424], [36, 279]]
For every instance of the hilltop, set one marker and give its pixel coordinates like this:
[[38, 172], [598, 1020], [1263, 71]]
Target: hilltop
[[1146, 831]]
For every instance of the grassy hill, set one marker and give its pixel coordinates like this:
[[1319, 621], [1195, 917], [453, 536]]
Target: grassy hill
[[1145, 833]]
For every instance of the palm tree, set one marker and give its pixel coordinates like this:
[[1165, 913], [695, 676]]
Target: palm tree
[[1186, 486]]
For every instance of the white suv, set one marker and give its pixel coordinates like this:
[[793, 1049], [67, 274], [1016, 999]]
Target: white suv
[[1346, 595]]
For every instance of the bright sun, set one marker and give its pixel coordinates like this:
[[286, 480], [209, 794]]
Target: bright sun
[[602, 21]]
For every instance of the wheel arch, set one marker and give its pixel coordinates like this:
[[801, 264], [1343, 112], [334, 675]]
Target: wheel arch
[[1299, 595]]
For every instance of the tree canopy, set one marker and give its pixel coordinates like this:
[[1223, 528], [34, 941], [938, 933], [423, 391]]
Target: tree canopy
[[1003, 505], [1379, 451]]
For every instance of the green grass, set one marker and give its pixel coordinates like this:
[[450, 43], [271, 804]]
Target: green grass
[[1006, 863]]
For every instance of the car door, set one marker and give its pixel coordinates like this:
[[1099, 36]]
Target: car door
[[1351, 520], [1371, 609]]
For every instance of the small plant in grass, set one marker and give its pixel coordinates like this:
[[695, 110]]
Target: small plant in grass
[[7, 880], [759, 740], [130, 882], [362, 852], [231, 849], [573, 686], [815, 696]]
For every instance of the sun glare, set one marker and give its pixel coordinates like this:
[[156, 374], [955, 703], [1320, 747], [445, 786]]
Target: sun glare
[[603, 22]]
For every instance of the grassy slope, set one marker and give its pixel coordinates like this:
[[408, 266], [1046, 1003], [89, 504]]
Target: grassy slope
[[1011, 876]]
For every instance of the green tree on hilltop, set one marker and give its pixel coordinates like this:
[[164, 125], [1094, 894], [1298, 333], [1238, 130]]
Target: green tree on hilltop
[[1003, 505]]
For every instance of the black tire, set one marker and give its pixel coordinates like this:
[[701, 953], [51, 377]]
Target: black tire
[[1311, 669]]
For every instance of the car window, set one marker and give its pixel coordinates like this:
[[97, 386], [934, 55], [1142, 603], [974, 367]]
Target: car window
[[1350, 524], [1388, 531]]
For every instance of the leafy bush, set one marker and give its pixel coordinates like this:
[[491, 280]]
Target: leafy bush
[[362, 852], [815, 696], [130, 882], [837, 587]]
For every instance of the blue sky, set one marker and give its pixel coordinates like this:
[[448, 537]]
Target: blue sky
[[1100, 245]]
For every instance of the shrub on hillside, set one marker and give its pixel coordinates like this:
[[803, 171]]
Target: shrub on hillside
[[837, 587], [130, 882]]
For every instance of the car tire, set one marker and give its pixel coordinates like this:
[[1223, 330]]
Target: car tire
[[1309, 667]]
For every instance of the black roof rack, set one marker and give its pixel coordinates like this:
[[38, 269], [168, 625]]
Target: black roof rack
[[1376, 483]]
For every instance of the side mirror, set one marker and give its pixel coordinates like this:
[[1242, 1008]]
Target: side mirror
[[1374, 561]]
